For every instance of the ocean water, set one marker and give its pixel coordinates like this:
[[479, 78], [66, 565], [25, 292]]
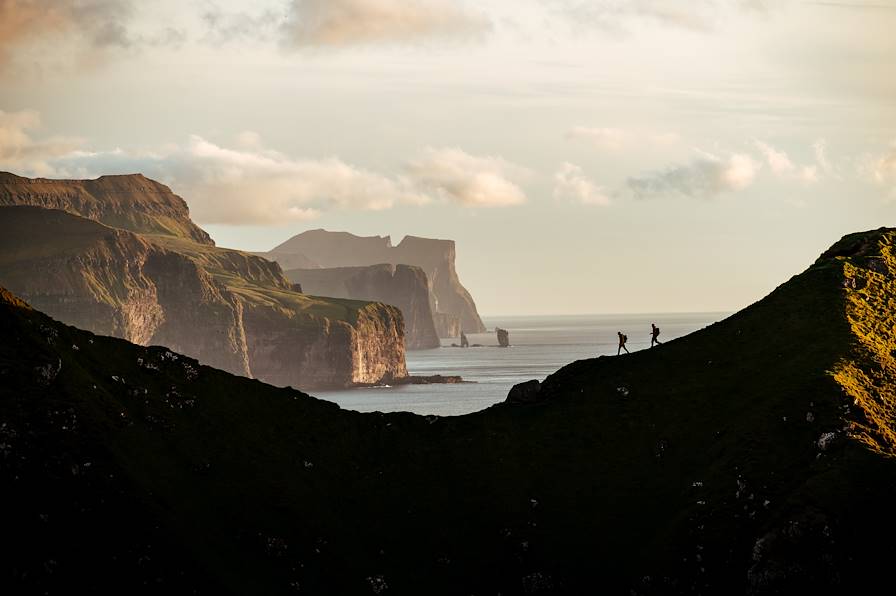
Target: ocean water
[[540, 346]]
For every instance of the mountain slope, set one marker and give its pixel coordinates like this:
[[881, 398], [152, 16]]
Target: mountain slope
[[229, 309], [131, 202], [751, 457]]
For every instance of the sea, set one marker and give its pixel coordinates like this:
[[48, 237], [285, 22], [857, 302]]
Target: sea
[[540, 345]]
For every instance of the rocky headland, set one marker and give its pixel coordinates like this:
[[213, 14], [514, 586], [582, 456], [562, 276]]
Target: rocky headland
[[403, 286], [159, 279], [453, 308]]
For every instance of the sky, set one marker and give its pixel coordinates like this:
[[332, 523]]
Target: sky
[[599, 156]]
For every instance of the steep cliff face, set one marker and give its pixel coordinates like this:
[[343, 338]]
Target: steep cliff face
[[202, 318], [132, 202], [95, 276], [229, 309], [435, 257], [401, 285], [447, 325], [754, 458]]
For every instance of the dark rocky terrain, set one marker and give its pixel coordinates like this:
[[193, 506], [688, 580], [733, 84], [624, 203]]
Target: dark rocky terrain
[[400, 285], [158, 279], [453, 307], [753, 457]]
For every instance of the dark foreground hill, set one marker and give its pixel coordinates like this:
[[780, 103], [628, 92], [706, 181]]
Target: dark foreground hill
[[753, 457]]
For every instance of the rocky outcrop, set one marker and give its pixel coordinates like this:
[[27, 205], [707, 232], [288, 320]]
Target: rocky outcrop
[[435, 257], [403, 286], [447, 325], [228, 309], [132, 202], [503, 337], [524, 393]]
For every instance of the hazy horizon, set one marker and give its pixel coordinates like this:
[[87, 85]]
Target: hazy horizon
[[587, 157]]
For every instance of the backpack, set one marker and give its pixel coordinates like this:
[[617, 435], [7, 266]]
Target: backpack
[[657, 331], [624, 338]]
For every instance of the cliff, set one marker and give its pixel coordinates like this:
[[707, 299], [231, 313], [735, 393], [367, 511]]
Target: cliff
[[435, 257], [754, 457], [229, 309], [447, 325], [401, 285], [131, 202]]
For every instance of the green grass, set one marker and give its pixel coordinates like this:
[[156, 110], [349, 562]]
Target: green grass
[[263, 285]]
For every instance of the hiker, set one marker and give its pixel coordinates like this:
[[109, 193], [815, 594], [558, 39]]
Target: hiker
[[654, 335], [622, 339]]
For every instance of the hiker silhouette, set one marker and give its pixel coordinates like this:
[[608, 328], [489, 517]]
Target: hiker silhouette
[[654, 335], [622, 339]]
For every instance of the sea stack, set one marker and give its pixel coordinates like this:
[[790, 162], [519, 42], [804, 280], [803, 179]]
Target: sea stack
[[503, 337]]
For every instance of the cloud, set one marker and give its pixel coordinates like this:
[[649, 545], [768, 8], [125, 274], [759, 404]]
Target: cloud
[[820, 149], [254, 185], [19, 151], [706, 176], [102, 23], [619, 16], [468, 180], [781, 165], [362, 22], [571, 184], [249, 183], [614, 139], [226, 27], [81, 28], [882, 168], [605, 138]]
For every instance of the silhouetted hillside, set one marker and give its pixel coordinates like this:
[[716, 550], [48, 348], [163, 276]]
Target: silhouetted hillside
[[752, 457]]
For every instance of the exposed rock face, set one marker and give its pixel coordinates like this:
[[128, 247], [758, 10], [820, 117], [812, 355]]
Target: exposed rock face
[[131, 202], [447, 325], [503, 337], [375, 346], [435, 257], [403, 286], [229, 309]]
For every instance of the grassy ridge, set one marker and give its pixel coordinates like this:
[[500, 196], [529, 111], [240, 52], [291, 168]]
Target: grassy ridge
[[259, 281]]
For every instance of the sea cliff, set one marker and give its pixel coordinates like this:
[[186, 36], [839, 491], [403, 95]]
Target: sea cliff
[[435, 257], [401, 285], [159, 279]]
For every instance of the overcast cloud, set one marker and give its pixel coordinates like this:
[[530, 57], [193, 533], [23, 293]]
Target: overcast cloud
[[360, 22], [706, 176]]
